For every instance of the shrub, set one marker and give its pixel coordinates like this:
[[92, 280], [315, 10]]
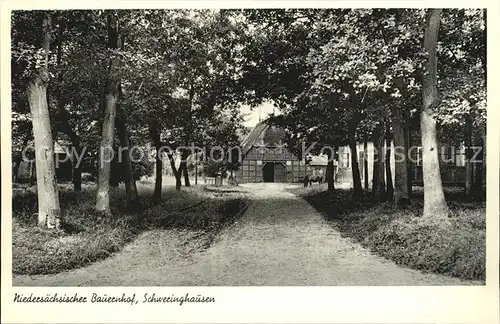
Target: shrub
[[457, 249], [87, 236]]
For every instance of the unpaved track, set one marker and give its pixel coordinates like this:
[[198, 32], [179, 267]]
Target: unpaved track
[[281, 240]]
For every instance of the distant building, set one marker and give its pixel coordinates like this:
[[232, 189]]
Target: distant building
[[317, 165], [452, 164], [265, 158]]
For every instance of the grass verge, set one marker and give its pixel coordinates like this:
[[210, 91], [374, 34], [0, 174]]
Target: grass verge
[[402, 235], [86, 236]]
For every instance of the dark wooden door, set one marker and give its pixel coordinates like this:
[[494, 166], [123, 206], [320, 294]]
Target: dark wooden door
[[268, 172], [279, 172]]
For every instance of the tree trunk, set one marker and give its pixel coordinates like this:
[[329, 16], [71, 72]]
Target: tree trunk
[[375, 172], [186, 175], [478, 189], [108, 126], [132, 197], [159, 176], [177, 173], [329, 172], [434, 203], [185, 154], [401, 159], [155, 136], [196, 169], [409, 165], [77, 154], [484, 56], [49, 212], [469, 152], [183, 168], [77, 171], [365, 147], [378, 188], [388, 172], [381, 193], [356, 176], [15, 171]]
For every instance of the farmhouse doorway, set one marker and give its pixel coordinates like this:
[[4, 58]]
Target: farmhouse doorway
[[273, 172]]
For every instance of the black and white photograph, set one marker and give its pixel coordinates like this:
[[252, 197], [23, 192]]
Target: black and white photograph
[[247, 147]]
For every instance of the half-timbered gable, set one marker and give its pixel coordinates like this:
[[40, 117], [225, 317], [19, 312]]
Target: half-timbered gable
[[266, 158]]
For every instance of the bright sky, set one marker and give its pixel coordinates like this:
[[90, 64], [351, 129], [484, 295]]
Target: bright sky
[[252, 117]]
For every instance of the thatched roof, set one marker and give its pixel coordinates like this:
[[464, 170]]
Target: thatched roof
[[252, 137], [263, 134]]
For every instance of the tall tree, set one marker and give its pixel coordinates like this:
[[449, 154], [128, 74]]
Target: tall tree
[[388, 171], [131, 194], [401, 195], [434, 202], [49, 212], [155, 136], [379, 189], [330, 176], [108, 126], [365, 161], [469, 153], [356, 176]]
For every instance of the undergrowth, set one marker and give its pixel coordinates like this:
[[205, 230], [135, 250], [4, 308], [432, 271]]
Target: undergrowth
[[456, 248], [86, 236]]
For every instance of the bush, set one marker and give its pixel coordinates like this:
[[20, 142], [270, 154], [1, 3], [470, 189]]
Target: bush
[[205, 211], [87, 236], [457, 249]]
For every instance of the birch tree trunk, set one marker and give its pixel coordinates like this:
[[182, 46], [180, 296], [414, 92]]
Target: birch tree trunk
[[108, 126], [49, 212], [434, 203]]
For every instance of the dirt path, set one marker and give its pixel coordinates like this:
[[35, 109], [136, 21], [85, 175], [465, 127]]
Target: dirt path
[[281, 240]]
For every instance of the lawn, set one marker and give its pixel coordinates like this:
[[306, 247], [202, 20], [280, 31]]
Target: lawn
[[86, 236], [402, 235]]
